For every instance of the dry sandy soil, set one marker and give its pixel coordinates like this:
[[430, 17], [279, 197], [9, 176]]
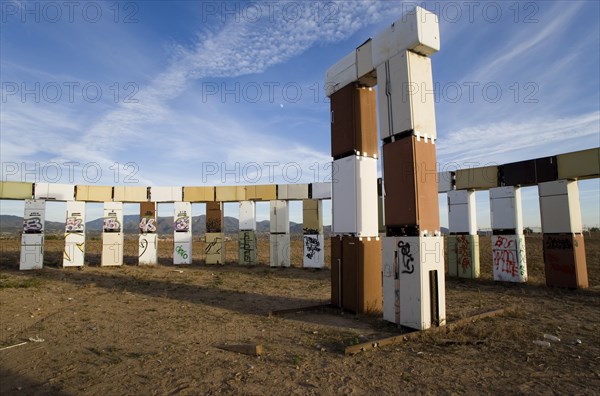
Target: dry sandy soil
[[155, 330]]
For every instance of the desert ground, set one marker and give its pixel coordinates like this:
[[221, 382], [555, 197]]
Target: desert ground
[[139, 330]]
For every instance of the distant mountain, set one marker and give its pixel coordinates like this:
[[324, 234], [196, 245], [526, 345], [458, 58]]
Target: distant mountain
[[9, 223]]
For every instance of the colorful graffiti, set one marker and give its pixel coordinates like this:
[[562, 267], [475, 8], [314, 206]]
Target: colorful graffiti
[[74, 224], [111, 224], [147, 225], [182, 223]]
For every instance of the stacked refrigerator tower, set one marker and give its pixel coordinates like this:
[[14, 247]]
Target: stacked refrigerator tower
[[412, 250], [355, 243], [214, 247]]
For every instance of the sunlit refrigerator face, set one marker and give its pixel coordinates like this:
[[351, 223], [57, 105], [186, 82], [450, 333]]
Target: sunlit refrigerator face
[[509, 262], [247, 248], [313, 251], [214, 248], [419, 266], [112, 235], [182, 234], [280, 250], [32, 240], [355, 196], [74, 254], [247, 215], [279, 217]]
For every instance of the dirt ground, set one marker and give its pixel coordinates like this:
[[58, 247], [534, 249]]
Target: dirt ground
[[155, 330]]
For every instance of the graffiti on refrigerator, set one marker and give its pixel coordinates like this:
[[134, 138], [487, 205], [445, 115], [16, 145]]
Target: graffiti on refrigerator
[[111, 224], [247, 247], [213, 247], [407, 258], [464, 252], [147, 225], [74, 224], [32, 225], [506, 261], [79, 246], [504, 243], [182, 223], [143, 245], [182, 252], [313, 246]]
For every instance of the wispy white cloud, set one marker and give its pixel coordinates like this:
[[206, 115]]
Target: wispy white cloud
[[507, 141]]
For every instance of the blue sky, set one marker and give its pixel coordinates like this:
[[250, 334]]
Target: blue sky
[[188, 87]]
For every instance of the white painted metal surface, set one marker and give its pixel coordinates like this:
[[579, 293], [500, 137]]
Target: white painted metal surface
[[321, 190], [297, 191], [417, 257], [166, 194], [32, 252], [182, 253], [148, 249], [560, 208], [112, 249], [34, 216], [313, 251], [279, 217], [509, 262], [417, 30], [280, 250], [341, 74], [505, 208], [354, 198], [74, 254], [247, 215], [55, 191], [405, 96], [462, 211]]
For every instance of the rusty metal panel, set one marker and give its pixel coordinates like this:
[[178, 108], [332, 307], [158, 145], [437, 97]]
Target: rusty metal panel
[[354, 122], [148, 220], [410, 183], [565, 261], [214, 217]]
